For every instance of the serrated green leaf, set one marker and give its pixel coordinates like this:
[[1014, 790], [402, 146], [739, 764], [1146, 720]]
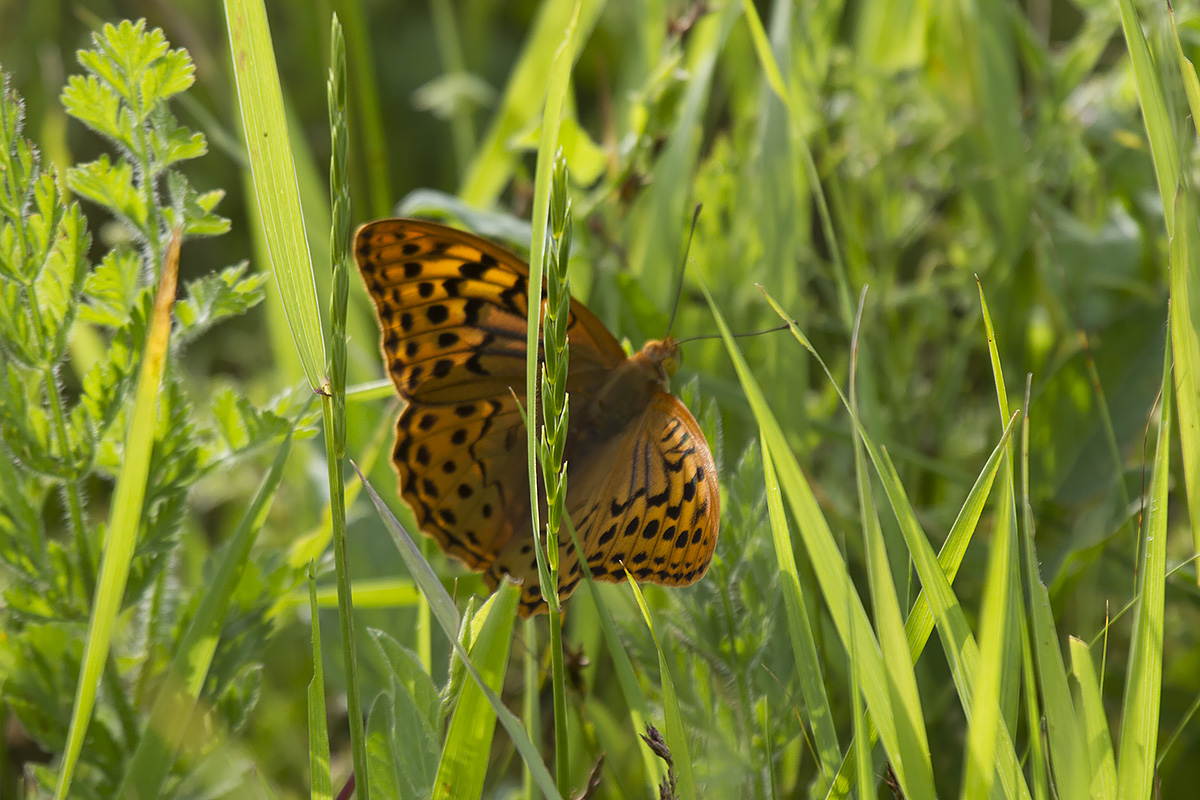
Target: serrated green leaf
[[111, 288], [96, 105], [168, 76], [59, 283], [111, 185], [173, 143], [107, 383], [121, 57], [240, 697], [241, 425], [216, 297]]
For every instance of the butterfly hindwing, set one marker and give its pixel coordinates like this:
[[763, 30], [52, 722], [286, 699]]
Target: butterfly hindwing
[[461, 474], [648, 501]]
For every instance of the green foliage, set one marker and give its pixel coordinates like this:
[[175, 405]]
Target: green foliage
[[63, 411], [903, 147]]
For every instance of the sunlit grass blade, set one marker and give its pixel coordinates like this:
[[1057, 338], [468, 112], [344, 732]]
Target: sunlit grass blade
[[1094, 723], [885, 601], [631, 689], [923, 615], [910, 761], [273, 170], [320, 780], [998, 663], [367, 593], [1065, 737], [986, 714], [175, 703], [462, 769], [889, 625], [125, 516], [800, 635], [1014, 601], [447, 618], [1184, 287], [676, 733], [1138, 748], [957, 640], [1179, 208]]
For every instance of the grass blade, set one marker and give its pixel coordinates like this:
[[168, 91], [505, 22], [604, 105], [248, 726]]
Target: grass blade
[[273, 171], [676, 733], [804, 647], [462, 770], [1094, 722], [1143, 681], [523, 98], [912, 764], [447, 617], [125, 518]]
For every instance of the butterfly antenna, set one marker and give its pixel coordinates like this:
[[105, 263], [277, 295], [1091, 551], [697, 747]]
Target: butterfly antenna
[[682, 266], [776, 329]]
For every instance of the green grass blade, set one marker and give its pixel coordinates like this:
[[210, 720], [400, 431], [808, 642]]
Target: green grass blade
[[912, 765], [986, 713], [447, 618], [676, 733], [631, 689], [1183, 276], [958, 642], [1068, 757], [273, 170], [1179, 208], [902, 681], [800, 635], [463, 767], [1094, 722], [125, 516], [1143, 681]]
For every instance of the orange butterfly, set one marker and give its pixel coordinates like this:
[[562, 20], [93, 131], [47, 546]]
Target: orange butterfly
[[642, 485]]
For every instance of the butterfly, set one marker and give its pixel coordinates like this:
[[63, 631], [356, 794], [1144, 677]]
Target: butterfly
[[641, 483]]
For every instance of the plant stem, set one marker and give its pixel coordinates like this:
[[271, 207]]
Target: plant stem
[[337, 507], [562, 751]]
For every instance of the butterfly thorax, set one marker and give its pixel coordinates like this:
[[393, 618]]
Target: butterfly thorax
[[627, 392]]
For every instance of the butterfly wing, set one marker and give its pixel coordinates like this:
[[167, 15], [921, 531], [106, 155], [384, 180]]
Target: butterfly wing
[[453, 309], [647, 501]]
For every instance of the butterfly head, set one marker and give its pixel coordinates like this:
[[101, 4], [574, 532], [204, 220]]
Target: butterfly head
[[663, 355]]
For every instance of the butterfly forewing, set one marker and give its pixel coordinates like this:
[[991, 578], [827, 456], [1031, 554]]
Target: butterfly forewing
[[453, 310]]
